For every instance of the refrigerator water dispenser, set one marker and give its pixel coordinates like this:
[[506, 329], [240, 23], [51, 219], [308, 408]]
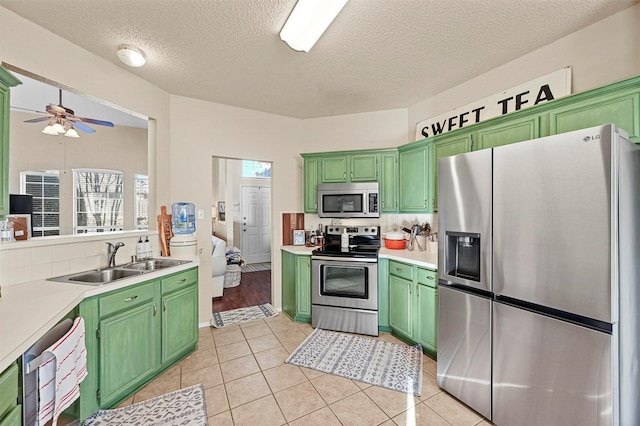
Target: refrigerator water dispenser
[[462, 255]]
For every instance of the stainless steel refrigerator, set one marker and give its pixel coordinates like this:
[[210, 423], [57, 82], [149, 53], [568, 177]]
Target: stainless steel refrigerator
[[539, 273]]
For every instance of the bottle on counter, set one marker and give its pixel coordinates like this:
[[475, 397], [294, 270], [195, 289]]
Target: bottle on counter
[[147, 248], [140, 249], [344, 239], [312, 238]]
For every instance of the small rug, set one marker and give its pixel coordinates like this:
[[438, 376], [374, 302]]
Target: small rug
[[389, 365], [256, 267], [183, 407], [240, 315]]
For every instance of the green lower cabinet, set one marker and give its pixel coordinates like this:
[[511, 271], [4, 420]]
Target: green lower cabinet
[[134, 334], [400, 303], [413, 304], [13, 417], [296, 286], [129, 348], [383, 295], [427, 318], [9, 397]]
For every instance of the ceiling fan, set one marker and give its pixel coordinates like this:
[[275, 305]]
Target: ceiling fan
[[63, 116]]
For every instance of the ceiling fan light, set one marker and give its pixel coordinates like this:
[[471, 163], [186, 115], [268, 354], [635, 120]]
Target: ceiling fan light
[[72, 133], [131, 56], [308, 21], [49, 130], [59, 128]]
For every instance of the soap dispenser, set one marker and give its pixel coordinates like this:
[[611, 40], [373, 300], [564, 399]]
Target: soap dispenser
[[147, 247], [344, 239], [140, 249]]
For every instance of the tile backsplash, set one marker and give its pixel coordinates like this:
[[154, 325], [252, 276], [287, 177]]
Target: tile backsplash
[[387, 222], [41, 258]]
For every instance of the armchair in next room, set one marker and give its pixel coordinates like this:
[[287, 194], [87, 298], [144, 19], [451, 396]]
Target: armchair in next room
[[218, 264]]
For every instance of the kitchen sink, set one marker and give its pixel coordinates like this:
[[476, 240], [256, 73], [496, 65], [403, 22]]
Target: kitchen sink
[[108, 275], [153, 264]]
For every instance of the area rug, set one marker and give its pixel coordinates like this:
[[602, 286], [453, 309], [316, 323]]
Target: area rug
[[183, 407], [256, 267], [240, 315], [389, 365]]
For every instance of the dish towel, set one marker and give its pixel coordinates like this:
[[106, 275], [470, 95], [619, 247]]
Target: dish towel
[[59, 377]]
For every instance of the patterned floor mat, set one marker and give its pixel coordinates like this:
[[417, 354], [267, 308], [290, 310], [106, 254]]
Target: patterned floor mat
[[240, 315], [389, 365], [182, 407], [256, 267]]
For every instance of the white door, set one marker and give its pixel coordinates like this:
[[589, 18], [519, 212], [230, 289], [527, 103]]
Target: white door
[[256, 224]]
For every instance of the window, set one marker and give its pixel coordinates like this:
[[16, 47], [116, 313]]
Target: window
[[44, 186], [97, 201], [141, 183], [256, 169]]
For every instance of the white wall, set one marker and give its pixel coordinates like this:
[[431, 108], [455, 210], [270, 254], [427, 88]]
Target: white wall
[[600, 54]]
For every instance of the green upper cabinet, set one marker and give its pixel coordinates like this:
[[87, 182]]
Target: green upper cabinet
[[334, 169], [311, 172], [415, 187], [511, 131], [349, 168], [389, 182], [7, 80], [621, 109]]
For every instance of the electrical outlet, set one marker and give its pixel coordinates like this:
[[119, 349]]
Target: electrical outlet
[[200, 214]]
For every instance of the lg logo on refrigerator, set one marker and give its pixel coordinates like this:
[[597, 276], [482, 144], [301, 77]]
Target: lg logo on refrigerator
[[590, 138]]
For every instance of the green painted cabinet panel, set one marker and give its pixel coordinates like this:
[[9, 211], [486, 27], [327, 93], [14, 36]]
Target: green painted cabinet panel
[[303, 286], [7, 80], [334, 169], [8, 390], [426, 318], [389, 182], [623, 110], [415, 196], [383, 294], [400, 306], [296, 286], [129, 343], [179, 322], [311, 171], [510, 132], [13, 417], [363, 168]]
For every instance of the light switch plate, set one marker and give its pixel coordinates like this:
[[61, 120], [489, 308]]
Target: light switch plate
[[200, 214]]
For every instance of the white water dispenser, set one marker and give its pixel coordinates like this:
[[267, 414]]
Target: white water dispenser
[[183, 223]]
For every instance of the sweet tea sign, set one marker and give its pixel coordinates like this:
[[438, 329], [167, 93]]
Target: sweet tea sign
[[543, 89]]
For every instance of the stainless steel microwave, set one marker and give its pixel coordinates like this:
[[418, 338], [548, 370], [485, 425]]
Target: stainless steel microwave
[[345, 200]]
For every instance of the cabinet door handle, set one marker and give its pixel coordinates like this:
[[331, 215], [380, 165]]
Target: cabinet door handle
[[351, 175], [344, 176], [426, 202], [399, 269], [433, 201], [164, 305], [182, 280], [431, 278], [130, 299], [155, 309]]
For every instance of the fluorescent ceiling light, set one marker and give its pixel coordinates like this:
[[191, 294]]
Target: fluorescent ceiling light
[[131, 56], [308, 21]]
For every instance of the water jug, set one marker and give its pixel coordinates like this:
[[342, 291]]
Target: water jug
[[183, 218]]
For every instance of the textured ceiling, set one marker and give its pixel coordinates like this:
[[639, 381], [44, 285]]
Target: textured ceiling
[[377, 54]]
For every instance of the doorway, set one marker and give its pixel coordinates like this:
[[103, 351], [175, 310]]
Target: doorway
[[244, 188]]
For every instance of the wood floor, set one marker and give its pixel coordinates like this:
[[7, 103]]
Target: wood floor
[[254, 289]]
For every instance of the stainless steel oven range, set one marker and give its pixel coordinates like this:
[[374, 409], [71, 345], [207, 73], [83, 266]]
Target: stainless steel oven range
[[344, 281]]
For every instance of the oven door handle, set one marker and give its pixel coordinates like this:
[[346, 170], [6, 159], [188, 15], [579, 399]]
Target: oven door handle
[[346, 259]]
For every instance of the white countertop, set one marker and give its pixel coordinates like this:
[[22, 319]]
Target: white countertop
[[29, 310], [305, 250]]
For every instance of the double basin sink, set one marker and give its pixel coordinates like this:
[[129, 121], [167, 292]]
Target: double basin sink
[[109, 275]]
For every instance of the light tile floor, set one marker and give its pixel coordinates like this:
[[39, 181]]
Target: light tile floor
[[247, 383]]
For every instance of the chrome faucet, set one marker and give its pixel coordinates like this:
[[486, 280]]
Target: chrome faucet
[[111, 253]]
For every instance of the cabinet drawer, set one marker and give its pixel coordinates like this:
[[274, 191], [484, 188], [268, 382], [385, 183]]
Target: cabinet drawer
[[127, 298], [401, 270], [428, 277], [8, 389], [179, 280]]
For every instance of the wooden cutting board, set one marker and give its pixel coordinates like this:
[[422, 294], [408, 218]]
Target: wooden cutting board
[[164, 230], [291, 221]]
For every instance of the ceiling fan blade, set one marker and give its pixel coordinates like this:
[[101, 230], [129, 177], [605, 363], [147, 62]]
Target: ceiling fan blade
[[78, 125], [37, 120], [94, 121]]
